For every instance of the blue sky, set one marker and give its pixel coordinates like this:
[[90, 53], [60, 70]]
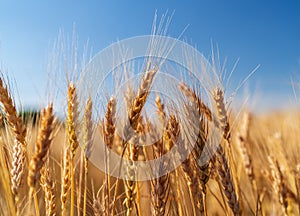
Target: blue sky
[[265, 33]]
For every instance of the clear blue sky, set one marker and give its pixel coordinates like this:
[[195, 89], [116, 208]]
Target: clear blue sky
[[265, 33]]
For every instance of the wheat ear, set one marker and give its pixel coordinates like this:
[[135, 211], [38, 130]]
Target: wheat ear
[[19, 148], [110, 117], [242, 141], [41, 151], [6, 179], [278, 184], [161, 185], [160, 109], [130, 184], [227, 183], [140, 99], [187, 164], [18, 161], [191, 95], [134, 116], [72, 121], [109, 133], [197, 111], [14, 120], [48, 186], [88, 130], [224, 169], [66, 180], [170, 139], [42, 146]]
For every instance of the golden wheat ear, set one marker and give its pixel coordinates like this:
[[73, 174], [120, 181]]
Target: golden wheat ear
[[109, 134], [242, 141], [40, 154], [48, 186], [65, 181], [72, 127], [140, 99], [11, 115], [223, 159], [19, 156], [72, 119], [88, 142], [191, 95], [278, 184], [42, 146]]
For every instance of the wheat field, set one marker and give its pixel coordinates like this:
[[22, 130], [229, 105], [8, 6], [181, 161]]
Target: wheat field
[[46, 169]]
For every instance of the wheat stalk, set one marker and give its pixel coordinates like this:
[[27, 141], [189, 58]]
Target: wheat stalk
[[12, 205], [224, 168], [134, 116], [66, 180], [109, 133], [161, 185], [19, 149], [196, 174], [72, 122], [88, 142], [130, 184], [41, 150]]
